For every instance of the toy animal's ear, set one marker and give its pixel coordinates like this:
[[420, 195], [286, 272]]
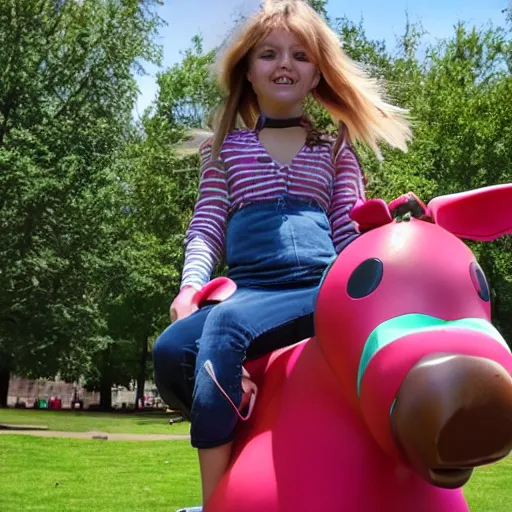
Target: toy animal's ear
[[483, 214], [371, 214]]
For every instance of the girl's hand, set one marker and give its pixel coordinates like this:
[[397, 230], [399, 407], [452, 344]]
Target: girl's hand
[[183, 305]]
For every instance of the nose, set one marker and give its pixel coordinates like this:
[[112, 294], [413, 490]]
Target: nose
[[285, 61]]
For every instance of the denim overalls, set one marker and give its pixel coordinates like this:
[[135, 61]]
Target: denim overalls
[[277, 253]]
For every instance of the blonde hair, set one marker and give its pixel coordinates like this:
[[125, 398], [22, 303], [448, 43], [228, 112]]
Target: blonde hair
[[355, 101]]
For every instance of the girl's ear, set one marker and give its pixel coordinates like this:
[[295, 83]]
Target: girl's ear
[[248, 75]]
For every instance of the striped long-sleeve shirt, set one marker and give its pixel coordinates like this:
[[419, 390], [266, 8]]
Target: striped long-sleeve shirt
[[249, 174]]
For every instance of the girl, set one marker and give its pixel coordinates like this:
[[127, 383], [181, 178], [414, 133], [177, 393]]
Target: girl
[[275, 200]]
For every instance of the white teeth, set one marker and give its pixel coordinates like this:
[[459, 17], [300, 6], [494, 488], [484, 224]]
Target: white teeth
[[283, 80]]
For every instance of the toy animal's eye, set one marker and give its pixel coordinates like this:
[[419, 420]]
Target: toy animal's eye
[[365, 279], [479, 281]]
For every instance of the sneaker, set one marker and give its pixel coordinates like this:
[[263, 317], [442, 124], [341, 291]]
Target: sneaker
[[191, 509]]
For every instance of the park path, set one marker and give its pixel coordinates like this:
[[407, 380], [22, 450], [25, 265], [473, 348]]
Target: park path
[[98, 435]]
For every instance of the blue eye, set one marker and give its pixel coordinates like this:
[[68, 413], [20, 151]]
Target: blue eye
[[301, 56]]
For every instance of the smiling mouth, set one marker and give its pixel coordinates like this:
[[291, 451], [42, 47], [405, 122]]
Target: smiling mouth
[[284, 81]]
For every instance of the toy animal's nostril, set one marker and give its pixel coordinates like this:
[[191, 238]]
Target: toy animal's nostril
[[365, 279]]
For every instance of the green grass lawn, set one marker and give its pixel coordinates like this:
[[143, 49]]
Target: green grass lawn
[[66, 475], [85, 421], [490, 489]]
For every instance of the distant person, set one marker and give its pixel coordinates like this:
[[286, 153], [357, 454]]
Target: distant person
[[77, 399]]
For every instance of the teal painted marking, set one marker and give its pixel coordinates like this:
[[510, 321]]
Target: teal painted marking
[[400, 326]]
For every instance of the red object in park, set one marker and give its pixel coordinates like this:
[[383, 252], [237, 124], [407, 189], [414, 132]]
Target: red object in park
[[54, 403], [406, 386]]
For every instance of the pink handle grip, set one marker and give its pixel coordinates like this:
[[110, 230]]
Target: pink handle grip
[[217, 290]]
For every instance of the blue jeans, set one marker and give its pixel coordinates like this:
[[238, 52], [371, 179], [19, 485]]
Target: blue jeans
[[277, 253]]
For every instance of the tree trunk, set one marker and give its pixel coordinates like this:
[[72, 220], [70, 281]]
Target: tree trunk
[[141, 377], [106, 391], [5, 375], [106, 380]]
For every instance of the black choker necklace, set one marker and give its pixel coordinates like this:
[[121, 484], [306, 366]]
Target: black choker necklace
[[268, 122]]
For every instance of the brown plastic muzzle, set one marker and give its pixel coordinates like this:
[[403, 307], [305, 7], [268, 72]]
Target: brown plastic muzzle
[[452, 414]]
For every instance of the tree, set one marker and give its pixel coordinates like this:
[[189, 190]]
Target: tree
[[140, 281], [320, 7], [66, 94], [471, 141], [457, 95], [187, 93]]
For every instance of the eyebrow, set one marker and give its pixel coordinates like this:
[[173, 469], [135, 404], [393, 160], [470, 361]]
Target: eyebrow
[[261, 46]]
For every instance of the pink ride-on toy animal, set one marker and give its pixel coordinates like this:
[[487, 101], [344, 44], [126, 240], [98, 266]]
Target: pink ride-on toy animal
[[406, 386]]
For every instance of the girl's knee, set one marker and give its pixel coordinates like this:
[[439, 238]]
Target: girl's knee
[[170, 345], [180, 338]]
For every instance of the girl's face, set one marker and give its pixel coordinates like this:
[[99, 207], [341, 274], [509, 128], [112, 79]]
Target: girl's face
[[281, 74]]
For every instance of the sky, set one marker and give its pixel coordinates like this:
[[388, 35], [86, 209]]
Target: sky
[[381, 19]]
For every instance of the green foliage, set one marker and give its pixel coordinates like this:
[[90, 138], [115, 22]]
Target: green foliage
[[459, 101], [66, 95], [94, 208], [187, 93], [320, 7]]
